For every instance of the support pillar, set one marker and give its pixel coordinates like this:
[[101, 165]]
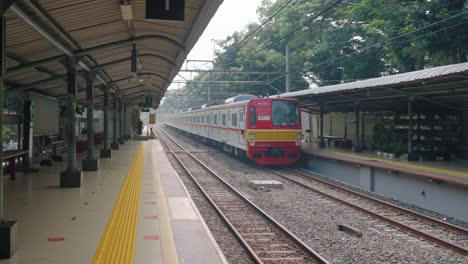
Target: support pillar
[[357, 144], [8, 228], [121, 127], [90, 163], [322, 141], [115, 144], [106, 152], [411, 155], [72, 176], [126, 135], [363, 131]]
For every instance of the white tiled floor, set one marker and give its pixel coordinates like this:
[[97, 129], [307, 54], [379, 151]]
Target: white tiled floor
[[79, 215]]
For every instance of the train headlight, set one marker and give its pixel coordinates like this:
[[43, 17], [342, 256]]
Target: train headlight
[[252, 136], [298, 136]]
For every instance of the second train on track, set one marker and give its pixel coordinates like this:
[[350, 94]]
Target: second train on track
[[265, 130]]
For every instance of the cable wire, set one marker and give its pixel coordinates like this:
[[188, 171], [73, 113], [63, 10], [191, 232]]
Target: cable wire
[[266, 21]]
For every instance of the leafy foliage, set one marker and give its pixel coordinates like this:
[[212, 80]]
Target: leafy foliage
[[355, 40]]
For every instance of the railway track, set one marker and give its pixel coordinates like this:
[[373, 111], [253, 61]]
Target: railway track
[[409, 224], [265, 239]]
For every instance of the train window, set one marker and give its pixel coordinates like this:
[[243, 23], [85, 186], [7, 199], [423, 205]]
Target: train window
[[253, 116], [241, 115], [285, 113], [215, 119], [198, 119], [208, 119], [203, 119], [234, 120], [224, 120]]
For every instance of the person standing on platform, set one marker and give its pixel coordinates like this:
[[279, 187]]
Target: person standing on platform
[[139, 127]]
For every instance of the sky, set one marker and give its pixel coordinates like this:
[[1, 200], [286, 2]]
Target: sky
[[232, 15]]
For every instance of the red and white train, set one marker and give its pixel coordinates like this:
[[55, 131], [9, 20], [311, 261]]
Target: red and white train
[[266, 130]]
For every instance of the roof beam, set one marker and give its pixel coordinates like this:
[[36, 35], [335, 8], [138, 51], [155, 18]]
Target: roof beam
[[39, 28], [96, 49], [116, 62], [127, 42], [421, 97]]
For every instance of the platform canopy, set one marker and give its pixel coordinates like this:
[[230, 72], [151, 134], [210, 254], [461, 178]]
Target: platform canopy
[[442, 88], [100, 34]]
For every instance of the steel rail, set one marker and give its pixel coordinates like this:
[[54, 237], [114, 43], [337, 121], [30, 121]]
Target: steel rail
[[239, 237], [441, 242], [386, 204], [305, 247]]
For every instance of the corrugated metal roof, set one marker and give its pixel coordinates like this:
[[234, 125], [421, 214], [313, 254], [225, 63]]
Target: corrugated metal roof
[[402, 78], [93, 23]]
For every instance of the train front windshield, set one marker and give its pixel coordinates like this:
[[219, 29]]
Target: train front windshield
[[285, 113]]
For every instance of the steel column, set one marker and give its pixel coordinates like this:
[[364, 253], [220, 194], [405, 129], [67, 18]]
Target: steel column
[[357, 144], [2, 76], [26, 124], [363, 130], [115, 144], [126, 136], [71, 177], [322, 141], [90, 163], [8, 233], [105, 151], [411, 155], [121, 132]]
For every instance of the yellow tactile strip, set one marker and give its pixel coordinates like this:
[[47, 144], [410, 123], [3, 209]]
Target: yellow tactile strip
[[117, 244]]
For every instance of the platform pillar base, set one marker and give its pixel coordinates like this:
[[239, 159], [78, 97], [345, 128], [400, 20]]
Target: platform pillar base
[[121, 141], [413, 157], [46, 162], [115, 145], [8, 239], [57, 158], [90, 165], [106, 153], [357, 149], [71, 178]]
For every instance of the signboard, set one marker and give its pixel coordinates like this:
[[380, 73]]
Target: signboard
[[264, 118], [152, 119], [148, 101], [165, 9], [44, 114]]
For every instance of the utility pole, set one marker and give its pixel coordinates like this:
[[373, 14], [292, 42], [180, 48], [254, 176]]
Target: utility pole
[[288, 80], [209, 90]]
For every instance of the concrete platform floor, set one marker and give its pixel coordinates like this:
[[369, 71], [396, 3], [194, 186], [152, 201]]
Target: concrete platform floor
[[59, 225]]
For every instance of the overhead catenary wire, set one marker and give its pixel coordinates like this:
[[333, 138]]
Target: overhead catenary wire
[[248, 36], [321, 13]]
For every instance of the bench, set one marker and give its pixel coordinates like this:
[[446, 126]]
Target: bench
[[11, 156]]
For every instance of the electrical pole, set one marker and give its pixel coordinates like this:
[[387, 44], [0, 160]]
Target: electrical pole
[[288, 80]]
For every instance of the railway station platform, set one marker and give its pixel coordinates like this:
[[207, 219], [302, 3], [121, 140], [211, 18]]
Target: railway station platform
[[441, 187], [134, 209], [454, 171]]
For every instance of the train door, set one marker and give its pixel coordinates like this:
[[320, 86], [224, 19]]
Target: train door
[[241, 126], [228, 125]]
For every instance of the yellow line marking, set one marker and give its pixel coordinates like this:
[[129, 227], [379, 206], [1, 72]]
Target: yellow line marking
[[403, 164], [168, 248], [117, 243]]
